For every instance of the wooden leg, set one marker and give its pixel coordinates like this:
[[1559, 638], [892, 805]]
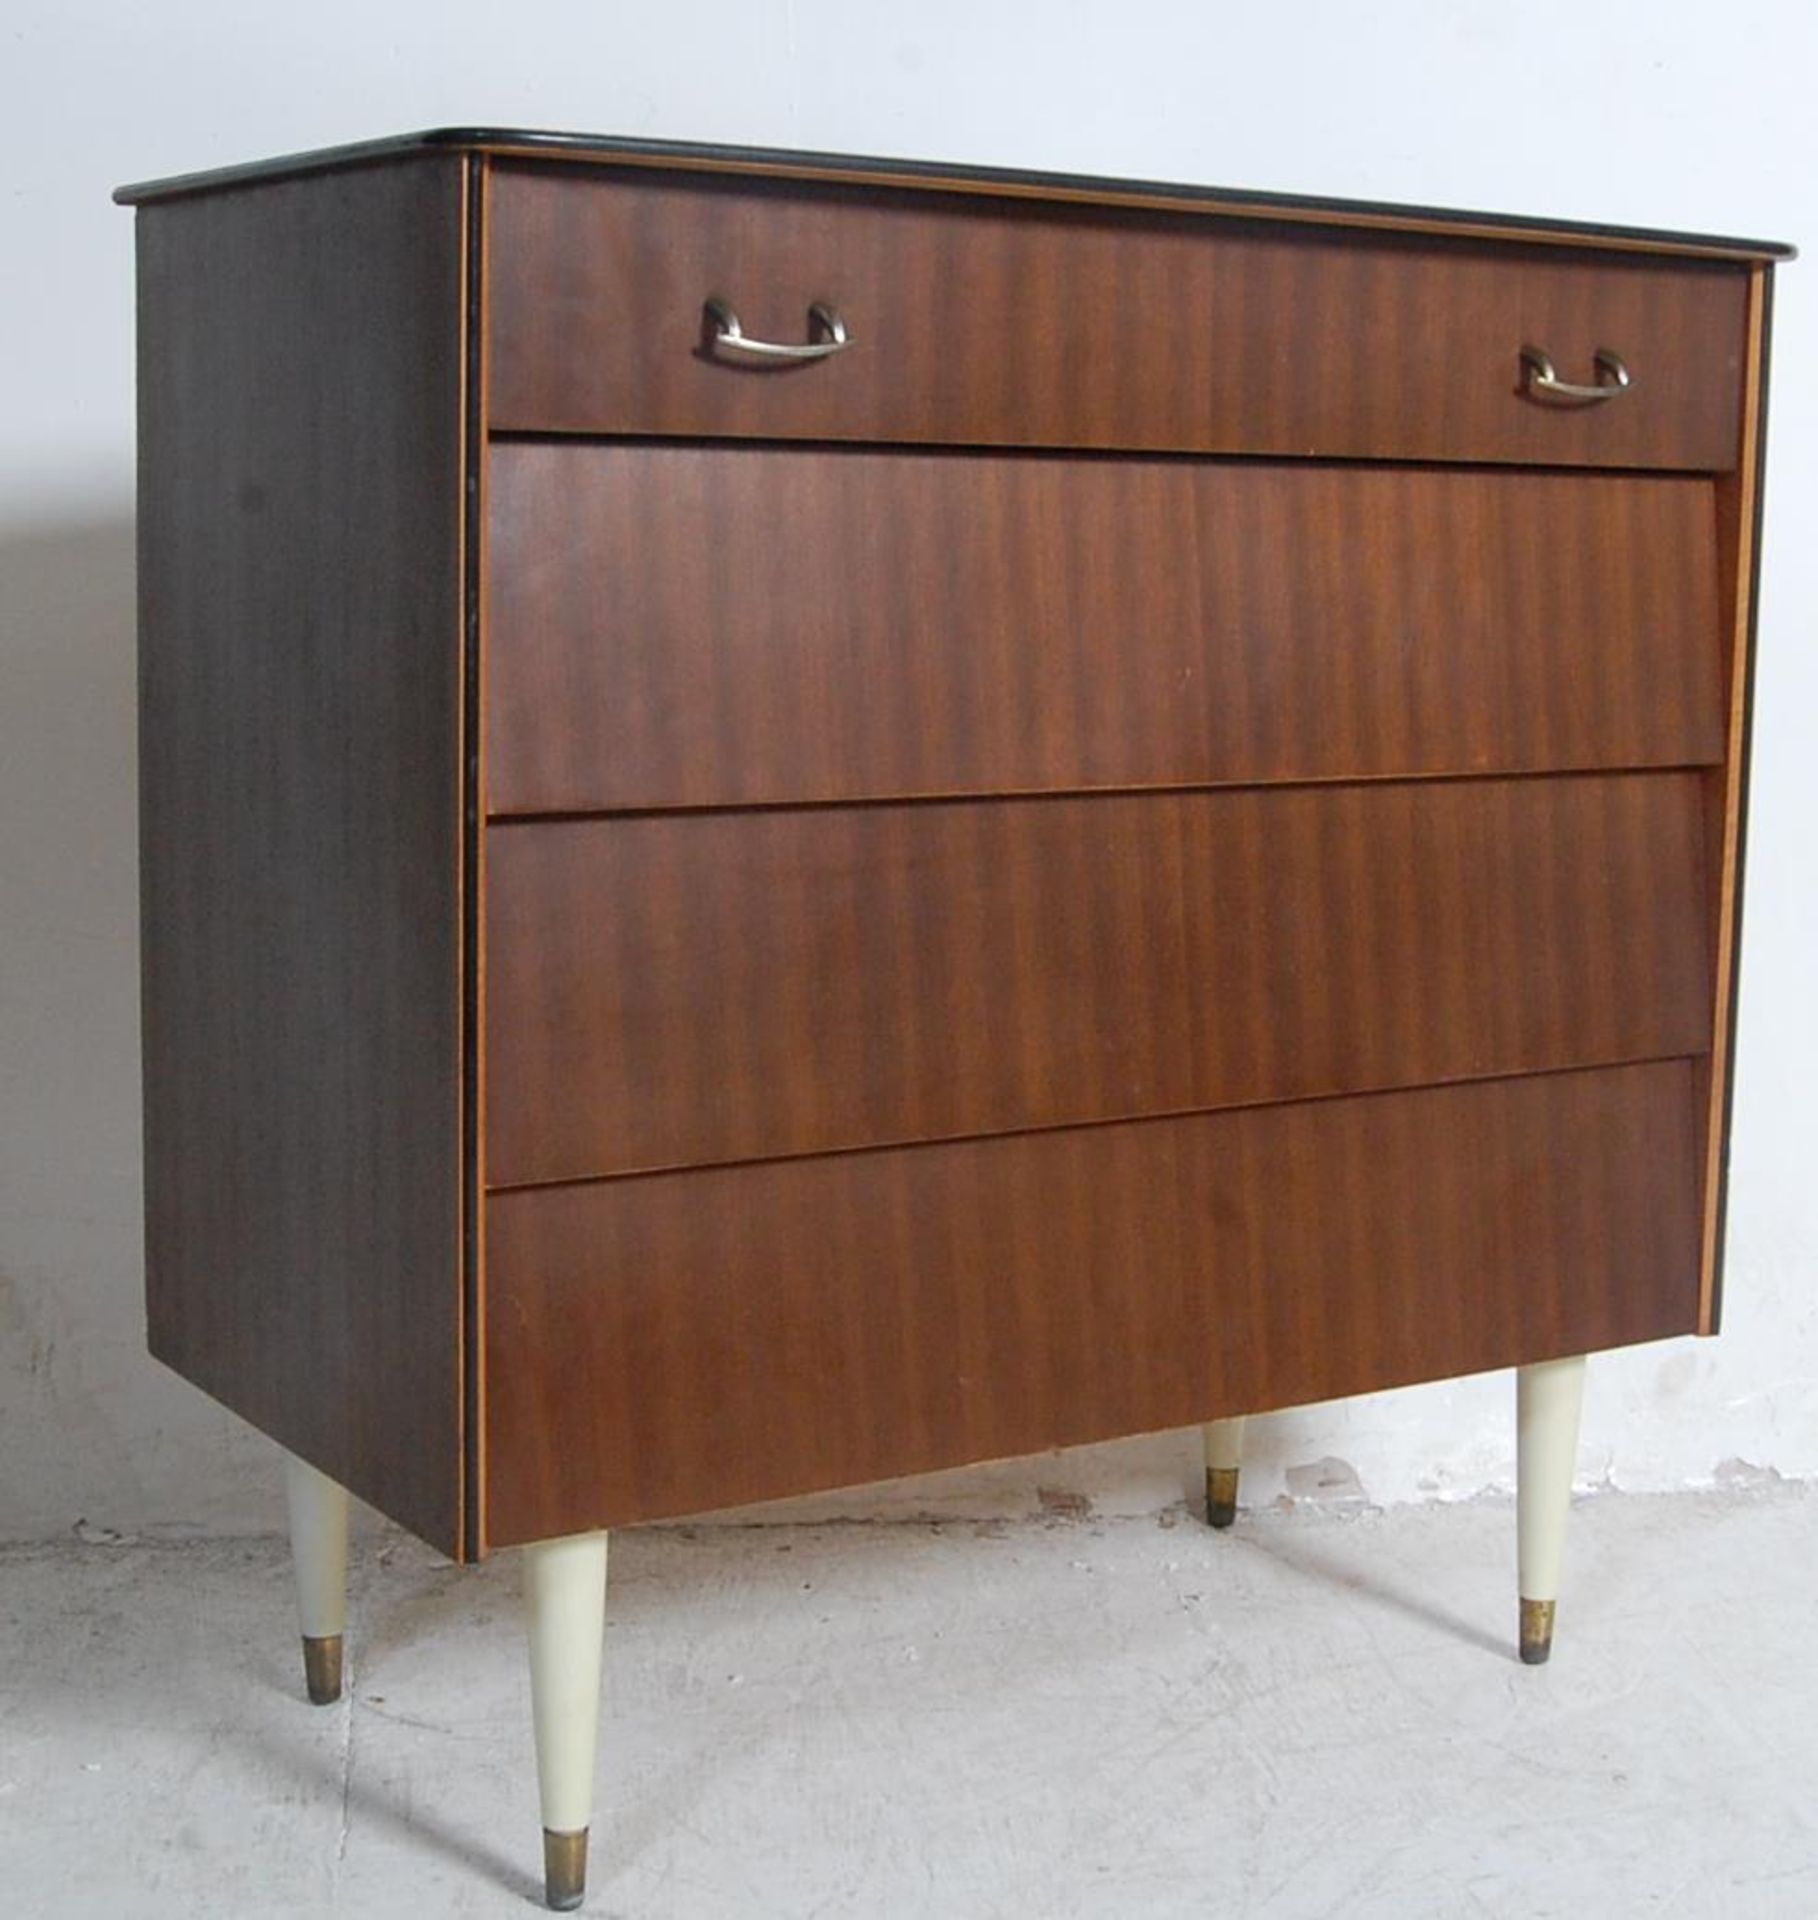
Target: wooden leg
[[1224, 1457], [565, 1613], [1548, 1401], [318, 1553]]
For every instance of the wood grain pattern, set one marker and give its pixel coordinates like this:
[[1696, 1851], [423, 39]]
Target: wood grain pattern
[[700, 1340], [1010, 323], [715, 626], [300, 780], [679, 989]]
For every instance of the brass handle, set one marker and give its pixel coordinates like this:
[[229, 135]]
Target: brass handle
[[727, 336], [1540, 382]]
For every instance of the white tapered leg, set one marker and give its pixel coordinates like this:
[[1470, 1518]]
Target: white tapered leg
[[565, 1613], [318, 1555], [1548, 1398], [1224, 1458]]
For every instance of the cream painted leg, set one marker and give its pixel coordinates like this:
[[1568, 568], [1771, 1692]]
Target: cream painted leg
[[1548, 1398], [1224, 1457], [565, 1611], [318, 1553]]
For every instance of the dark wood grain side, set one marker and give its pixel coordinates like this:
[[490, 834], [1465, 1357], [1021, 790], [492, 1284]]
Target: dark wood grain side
[[698, 1340], [1013, 323], [677, 989], [717, 626], [301, 791]]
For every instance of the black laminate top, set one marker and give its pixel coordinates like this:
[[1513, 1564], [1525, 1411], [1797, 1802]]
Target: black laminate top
[[781, 162]]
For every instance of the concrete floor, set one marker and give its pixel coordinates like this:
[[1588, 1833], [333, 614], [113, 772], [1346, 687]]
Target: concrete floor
[[1316, 1715]]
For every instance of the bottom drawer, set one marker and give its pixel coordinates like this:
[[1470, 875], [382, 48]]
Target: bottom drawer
[[670, 1343]]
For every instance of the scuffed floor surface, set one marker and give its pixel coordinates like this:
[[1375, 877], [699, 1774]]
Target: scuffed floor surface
[[1315, 1715]]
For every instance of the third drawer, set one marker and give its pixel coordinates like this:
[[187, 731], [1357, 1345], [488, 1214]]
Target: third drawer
[[693, 988]]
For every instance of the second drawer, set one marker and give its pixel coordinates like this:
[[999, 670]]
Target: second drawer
[[716, 626], [687, 989]]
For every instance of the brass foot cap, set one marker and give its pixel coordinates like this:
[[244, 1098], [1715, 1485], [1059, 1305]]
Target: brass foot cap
[[322, 1669], [1536, 1632], [564, 1869], [1221, 1496]]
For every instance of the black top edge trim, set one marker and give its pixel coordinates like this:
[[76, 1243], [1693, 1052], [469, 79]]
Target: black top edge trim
[[521, 140]]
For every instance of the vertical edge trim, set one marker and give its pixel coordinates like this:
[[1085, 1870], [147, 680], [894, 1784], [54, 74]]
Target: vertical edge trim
[[473, 206], [1751, 470]]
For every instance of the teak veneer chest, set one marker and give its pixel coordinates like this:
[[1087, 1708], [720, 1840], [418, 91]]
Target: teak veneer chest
[[807, 819]]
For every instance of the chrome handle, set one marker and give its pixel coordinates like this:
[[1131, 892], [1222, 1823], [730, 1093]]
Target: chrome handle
[[729, 337], [1540, 381]]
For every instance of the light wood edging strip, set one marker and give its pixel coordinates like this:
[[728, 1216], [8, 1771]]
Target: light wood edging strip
[[467, 1184], [1748, 474]]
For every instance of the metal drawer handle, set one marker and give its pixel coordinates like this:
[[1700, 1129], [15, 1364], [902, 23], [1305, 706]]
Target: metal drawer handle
[[1539, 380], [729, 337]]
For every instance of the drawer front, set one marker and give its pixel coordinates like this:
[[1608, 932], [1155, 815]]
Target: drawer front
[[662, 1346], [676, 626], [682, 989], [1006, 323]]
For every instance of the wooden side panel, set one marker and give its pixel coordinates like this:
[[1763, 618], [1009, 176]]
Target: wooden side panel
[[705, 1339], [300, 767], [678, 989], [701, 626], [1006, 323]]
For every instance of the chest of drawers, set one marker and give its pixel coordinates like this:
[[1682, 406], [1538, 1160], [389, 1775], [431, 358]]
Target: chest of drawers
[[810, 820]]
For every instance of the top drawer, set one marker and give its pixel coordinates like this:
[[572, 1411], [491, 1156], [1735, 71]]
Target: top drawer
[[998, 322]]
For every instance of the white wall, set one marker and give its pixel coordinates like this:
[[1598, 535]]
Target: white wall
[[1669, 114]]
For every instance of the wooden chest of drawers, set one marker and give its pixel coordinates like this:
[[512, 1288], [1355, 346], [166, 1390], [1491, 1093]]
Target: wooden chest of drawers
[[806, 820]]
